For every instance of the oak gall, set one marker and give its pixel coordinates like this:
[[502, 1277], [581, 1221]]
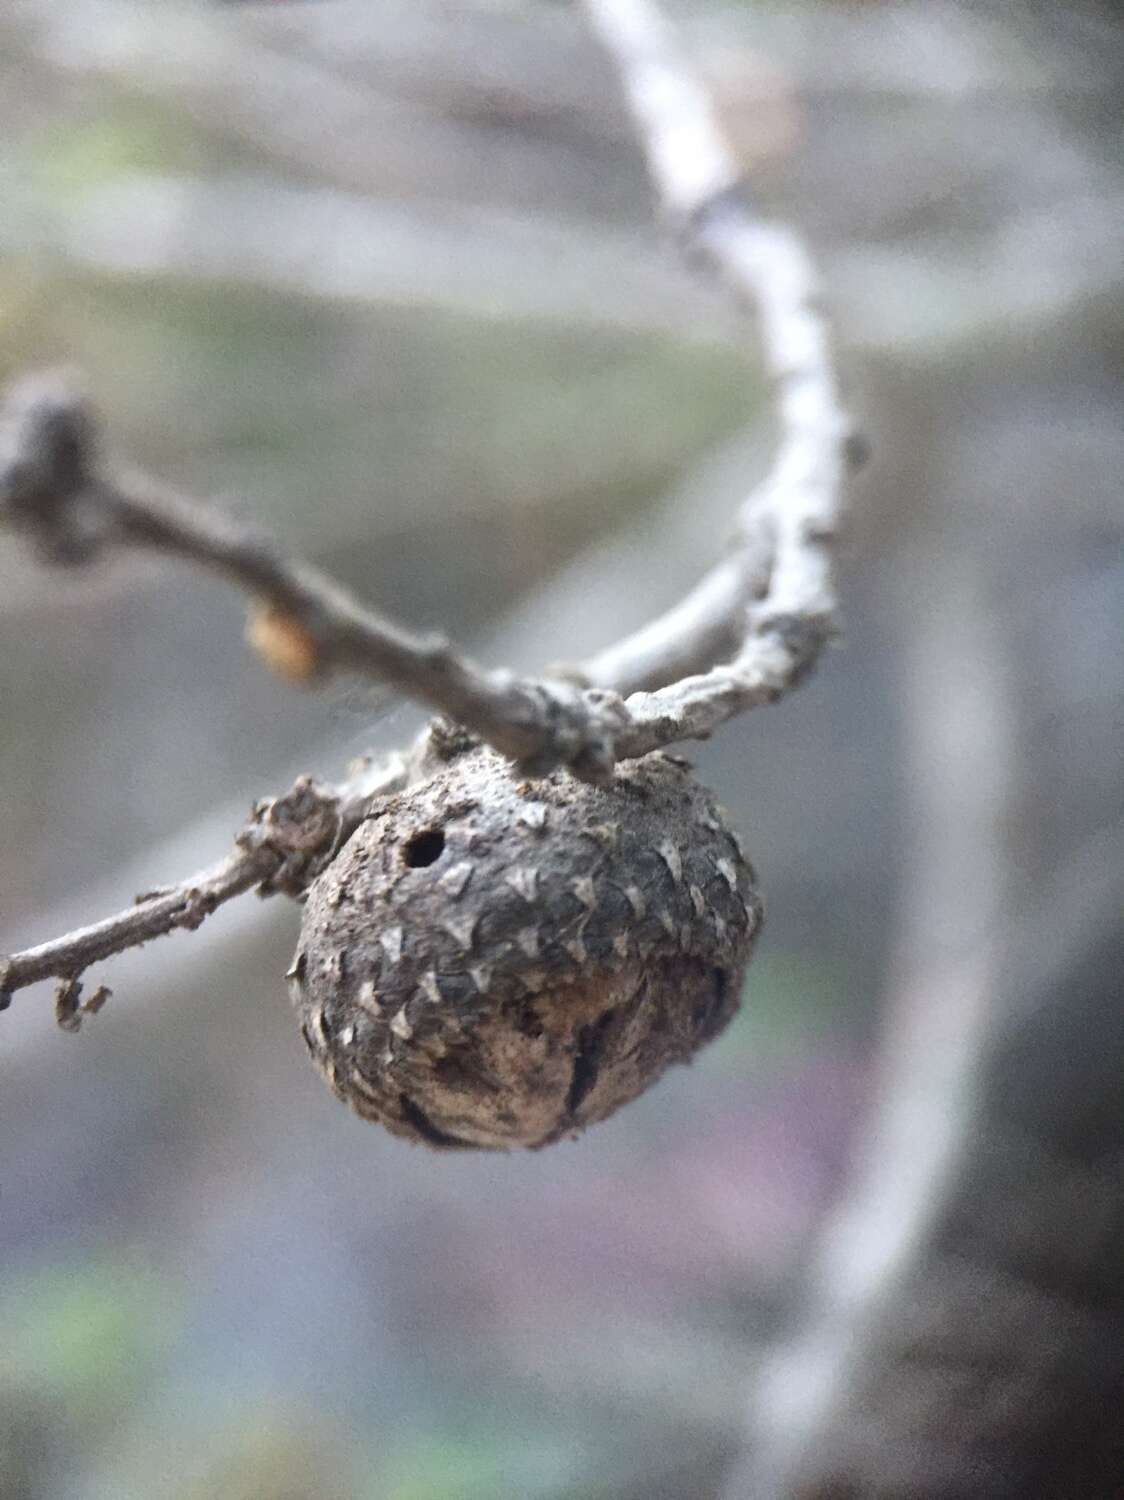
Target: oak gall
[[494, 963]]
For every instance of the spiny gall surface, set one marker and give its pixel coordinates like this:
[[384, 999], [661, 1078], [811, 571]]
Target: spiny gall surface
[[496, 963]]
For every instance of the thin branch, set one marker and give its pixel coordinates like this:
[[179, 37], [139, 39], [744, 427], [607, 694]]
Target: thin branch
[[769, 609], [780, 568], [284, 844], [706, 626], [53, 486], [763, 615]]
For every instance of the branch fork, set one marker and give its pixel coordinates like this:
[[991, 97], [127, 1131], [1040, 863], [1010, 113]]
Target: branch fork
[[753, 629]]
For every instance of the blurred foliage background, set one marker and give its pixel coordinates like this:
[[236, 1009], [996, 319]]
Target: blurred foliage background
[[383, 277]]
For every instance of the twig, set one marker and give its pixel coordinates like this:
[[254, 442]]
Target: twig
[[284, 844], [750, 631], [780, 568], [53, 487], [769, 609]]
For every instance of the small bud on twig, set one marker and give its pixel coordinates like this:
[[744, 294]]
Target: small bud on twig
[[283, 643]]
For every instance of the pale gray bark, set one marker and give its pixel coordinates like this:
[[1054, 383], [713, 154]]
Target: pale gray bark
[[779, 614]]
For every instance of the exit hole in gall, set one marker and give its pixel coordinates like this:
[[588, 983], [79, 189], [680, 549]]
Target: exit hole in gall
[[424, 848]]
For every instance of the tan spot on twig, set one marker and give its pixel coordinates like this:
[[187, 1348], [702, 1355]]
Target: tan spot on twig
[[282, 642]]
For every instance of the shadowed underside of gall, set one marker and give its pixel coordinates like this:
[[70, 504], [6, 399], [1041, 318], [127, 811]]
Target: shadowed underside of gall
[[495, 963]]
